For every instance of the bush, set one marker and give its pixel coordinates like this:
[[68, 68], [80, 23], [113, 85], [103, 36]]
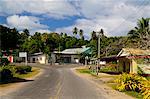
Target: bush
[[4, 61], [6, 73], [9, 67], [129, 82], [133, 82], [109, 69], [23, 69], [140, 71], [146, 89]]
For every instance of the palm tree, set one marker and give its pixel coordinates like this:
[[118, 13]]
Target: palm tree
[[26, 32], [81, 33], [61, 34], [65, 35], [75, 31], [93, 35], [141, 33], [101, 32]]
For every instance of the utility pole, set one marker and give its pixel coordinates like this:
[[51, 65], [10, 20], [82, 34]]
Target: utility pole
[[59, 54], [100, 33], [98, 56], [99, 38], [106, 51]]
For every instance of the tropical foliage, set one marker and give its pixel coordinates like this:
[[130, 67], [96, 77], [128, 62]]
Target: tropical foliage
[[8, 72], [139, 37], [141, 34], [133, 82]]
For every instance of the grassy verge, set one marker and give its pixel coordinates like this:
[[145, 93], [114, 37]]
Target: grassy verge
[[86, 71], [111, 82], [134, 94], [34, 72]]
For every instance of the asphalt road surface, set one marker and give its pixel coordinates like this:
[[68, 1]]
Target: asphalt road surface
[[57, 82]]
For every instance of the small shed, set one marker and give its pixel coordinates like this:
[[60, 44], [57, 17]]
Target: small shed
[[129, 59]]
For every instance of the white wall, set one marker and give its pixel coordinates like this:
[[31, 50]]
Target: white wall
[[73, 58], [39, 59], [42, 59]]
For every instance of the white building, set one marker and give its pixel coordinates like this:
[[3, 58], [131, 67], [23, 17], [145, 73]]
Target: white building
[[72, 55], [38, 58]]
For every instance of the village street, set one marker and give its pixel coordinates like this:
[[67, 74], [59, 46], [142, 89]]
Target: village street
[[58, 82]]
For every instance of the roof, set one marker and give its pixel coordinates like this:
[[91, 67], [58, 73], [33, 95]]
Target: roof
[[133, 52], [74, 50], [36, 54]]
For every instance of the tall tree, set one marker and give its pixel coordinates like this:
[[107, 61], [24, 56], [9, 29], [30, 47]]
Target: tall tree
[[61, 34], [24, 36], [141, 33], [9, 38], [93, 35], [81, 34], [26, 32], [75, 31]]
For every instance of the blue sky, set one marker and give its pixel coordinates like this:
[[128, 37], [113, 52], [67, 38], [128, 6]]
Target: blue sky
[[116, 17]]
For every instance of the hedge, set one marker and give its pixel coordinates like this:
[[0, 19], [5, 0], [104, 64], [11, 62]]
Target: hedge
[[7, 72], [23, 69], [4, 61]]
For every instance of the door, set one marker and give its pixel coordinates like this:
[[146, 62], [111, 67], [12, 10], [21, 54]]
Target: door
[[33, 60], [124, 66]]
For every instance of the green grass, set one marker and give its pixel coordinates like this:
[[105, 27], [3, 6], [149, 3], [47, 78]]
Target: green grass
[[84, 71], [34, 72], [134, 94], [87, 71], [112, 85], [148, 78]]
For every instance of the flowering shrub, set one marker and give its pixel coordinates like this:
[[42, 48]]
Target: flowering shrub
[[133, 82]]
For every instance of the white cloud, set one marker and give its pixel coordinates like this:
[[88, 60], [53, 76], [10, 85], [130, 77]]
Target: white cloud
[[51, 8], [116, 18], [24, 22], [123, 8], [42, 31], [111, 26]]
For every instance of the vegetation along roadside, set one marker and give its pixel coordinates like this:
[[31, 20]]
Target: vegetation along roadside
[[132, 84]]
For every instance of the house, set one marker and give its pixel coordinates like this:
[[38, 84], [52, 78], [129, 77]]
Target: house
[[72, 55], [38, 58], [130, 60], [8, 54]]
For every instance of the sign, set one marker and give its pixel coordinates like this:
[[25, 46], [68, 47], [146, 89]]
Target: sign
[[22, 54]]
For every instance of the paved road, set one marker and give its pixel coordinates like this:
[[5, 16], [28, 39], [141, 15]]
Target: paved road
[[57, 83]]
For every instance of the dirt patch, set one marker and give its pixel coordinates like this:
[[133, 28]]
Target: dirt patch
[[8, 88], [100, 82]]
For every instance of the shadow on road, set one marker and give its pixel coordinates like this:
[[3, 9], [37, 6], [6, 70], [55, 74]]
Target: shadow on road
[[14, 80]]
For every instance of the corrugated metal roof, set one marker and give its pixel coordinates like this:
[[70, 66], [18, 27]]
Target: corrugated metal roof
[[74, 50], [132, 51]]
